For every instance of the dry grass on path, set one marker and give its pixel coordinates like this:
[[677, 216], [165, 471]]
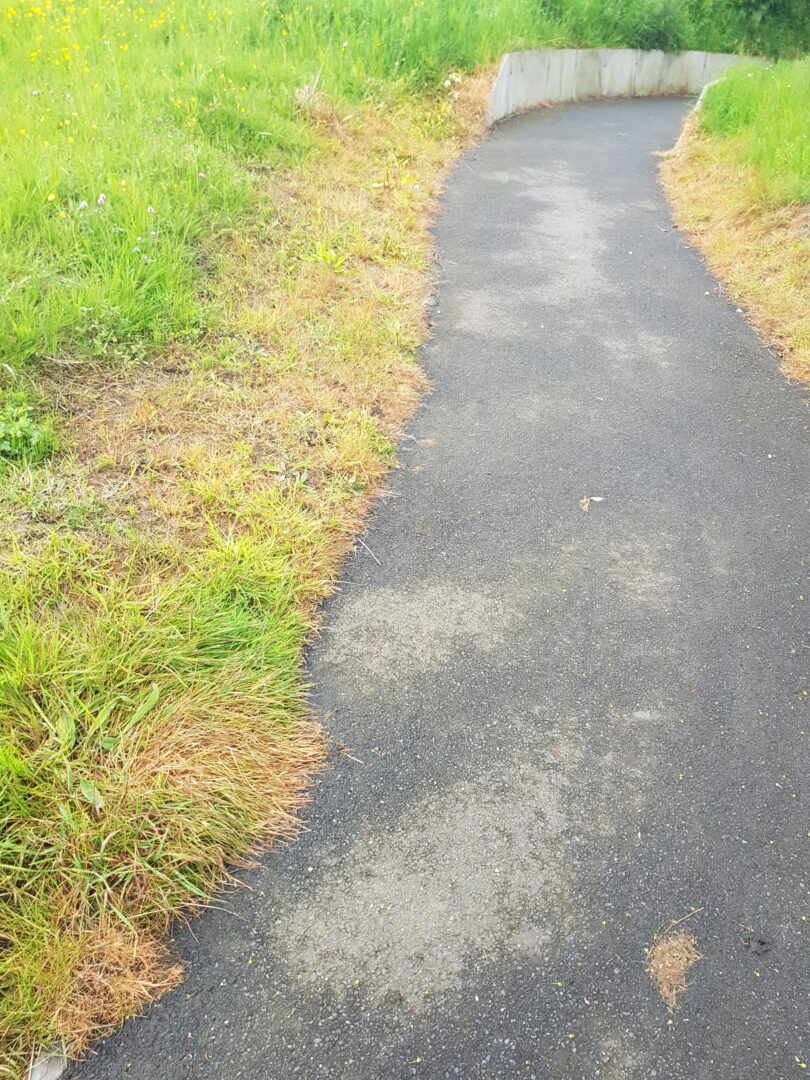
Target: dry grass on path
[[668, 961], [760, 252]]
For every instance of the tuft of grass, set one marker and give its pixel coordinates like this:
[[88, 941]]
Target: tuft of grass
[[151, 731], [23, 435], [738, 181]]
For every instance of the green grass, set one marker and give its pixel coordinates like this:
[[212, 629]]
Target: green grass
[[214, 256], [739, 181], [132, 124], [765, 113], [23, 435], [714, 25], [151, 721]]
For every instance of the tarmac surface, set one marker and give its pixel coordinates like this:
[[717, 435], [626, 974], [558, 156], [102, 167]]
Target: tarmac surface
[[567, 726]]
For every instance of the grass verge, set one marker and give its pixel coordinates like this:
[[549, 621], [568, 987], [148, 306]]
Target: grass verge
[[739, 183], [162, 572]]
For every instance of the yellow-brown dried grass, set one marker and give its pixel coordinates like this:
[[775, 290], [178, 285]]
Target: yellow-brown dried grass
[[668, 960]]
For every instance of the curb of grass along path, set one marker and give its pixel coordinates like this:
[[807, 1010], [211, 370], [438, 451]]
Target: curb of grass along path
[[757, 250], [335, 188]]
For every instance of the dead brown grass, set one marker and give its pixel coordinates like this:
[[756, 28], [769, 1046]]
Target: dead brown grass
[[668, 961], [760, 252], [117, 973], [204, 756]]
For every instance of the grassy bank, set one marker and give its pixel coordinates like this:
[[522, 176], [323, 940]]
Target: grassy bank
[[740, 184], [161, 570], [124, 164], [214, 260]]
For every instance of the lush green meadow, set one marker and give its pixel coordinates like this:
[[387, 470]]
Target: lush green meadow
[[213, 261], [132, 127], [132, 123], [765, 113]]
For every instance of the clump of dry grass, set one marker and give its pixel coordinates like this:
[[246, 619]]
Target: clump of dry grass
[[668, 961], [758, 250], [117, 972]]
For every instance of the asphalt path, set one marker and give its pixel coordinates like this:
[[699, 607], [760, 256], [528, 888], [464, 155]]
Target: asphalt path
[[567, 726]]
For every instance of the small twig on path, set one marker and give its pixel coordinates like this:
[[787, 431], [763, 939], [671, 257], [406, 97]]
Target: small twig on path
[[368, 549], [663, 933], [351, 757], [696, 911]]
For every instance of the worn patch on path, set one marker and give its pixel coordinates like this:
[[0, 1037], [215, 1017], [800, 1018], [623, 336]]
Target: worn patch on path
[[566, 729]]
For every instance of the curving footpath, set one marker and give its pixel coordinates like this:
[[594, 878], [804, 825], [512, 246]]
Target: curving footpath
[[566, 727]]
